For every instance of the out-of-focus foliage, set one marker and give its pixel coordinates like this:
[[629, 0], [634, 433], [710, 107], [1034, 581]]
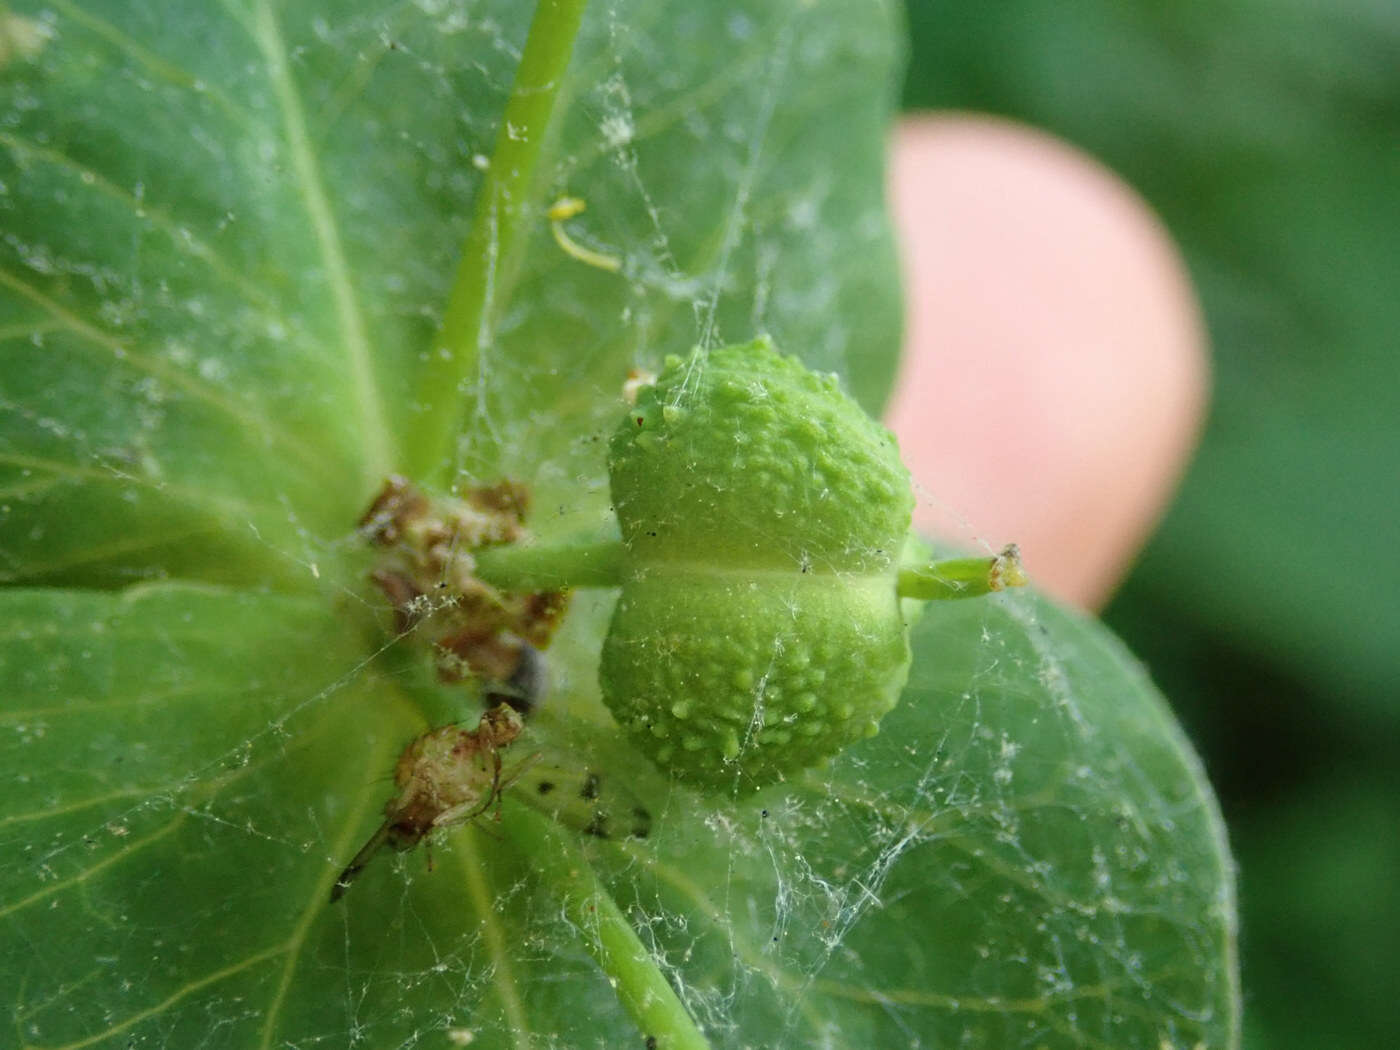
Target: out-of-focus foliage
[[1267, 135]]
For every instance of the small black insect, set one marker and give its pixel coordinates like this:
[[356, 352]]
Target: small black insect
[[589, 791], [525, 689], [598, 805], [598, 826]]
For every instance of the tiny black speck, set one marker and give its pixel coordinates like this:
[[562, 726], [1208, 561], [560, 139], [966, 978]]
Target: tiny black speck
[[546, 786], [651, 1042], [764, 813]]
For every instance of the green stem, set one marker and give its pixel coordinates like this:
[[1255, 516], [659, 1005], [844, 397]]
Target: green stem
[[539, 567], [489, 254], [963, 577], [607, 935]]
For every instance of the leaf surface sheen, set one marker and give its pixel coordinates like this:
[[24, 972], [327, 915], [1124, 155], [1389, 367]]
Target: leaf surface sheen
[[228, 231]]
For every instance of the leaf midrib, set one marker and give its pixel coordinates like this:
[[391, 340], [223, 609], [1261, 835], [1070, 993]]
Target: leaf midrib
[[379, 453]]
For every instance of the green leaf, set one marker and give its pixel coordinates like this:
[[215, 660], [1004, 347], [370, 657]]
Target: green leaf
[[1027, 854], [1027, 851], [229, 233], [171, 759], [238, 347]]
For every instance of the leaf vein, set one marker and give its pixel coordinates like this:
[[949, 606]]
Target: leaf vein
[[181, 237], [62, 472], [151, 366], [106, 862], [155, 64], [181, 993], [379, 454], [502, 976]]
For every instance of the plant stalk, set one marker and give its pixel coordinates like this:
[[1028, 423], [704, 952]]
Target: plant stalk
[[490, 252], [962, 577], [643, 990], [541, 567], [544, 567]]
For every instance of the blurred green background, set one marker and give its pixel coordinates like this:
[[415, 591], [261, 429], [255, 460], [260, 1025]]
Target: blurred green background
[[1266, 133]]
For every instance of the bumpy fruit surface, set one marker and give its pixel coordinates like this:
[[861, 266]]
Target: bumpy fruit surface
[[758, 631]]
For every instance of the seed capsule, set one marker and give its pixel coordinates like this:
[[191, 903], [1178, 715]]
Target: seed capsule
[[758, 630]]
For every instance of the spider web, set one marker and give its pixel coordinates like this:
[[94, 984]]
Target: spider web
[[227, 236]]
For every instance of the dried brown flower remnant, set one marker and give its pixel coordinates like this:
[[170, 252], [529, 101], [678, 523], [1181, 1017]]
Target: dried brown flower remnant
[[428, 576]]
